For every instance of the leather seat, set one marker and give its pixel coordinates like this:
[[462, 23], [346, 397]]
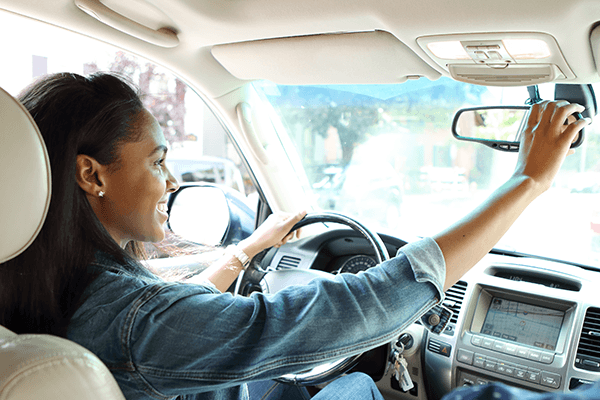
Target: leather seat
[[36, 366]]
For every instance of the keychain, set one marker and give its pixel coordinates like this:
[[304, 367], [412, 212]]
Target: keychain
[[401, 368]]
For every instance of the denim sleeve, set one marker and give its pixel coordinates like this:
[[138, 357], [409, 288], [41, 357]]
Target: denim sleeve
[[427, 261], [182, 339]]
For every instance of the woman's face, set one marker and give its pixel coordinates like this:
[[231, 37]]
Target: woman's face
[[134, 206]]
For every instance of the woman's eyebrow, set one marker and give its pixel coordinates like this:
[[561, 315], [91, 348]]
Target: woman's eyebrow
[[162, 148]]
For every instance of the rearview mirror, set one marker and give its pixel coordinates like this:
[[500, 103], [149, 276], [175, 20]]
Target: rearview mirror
[[497, 127]]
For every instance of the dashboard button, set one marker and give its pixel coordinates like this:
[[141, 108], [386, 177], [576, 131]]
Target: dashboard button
[[533, 376], [490, 365], [509, 370], [522, 352], [479, 361], [547, 358], [465, 356], [520, 373], [468, 379], [534, 355], [476, 340], [551, 380], [487, 343], [501, 367], [510, 349], [499, 346]]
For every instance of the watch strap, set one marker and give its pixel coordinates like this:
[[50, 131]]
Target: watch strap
[[239, 254]]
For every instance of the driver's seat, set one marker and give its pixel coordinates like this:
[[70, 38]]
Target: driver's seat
[[36, 367]]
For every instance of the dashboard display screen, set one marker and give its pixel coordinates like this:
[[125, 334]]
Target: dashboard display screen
[[523, 323]]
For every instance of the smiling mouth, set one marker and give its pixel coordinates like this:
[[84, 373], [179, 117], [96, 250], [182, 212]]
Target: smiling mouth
[[162, 207]]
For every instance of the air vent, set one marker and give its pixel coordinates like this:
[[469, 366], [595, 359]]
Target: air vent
[[454, 299], [288, 262], [588, 352]]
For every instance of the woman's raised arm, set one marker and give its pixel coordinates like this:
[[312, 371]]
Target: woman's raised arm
[[544, 146]]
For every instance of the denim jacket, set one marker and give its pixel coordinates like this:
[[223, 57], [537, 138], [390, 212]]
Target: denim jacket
[[162, 339]]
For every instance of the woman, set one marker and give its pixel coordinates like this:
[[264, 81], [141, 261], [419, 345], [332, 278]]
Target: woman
[[160, 339]]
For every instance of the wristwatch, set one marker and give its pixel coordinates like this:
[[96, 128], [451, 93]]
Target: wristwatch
[[239, 254]]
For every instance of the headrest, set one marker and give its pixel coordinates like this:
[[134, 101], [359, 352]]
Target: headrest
[[48, 367], [24, 178]]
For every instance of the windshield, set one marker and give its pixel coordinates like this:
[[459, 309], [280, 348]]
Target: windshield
[[385, 155]]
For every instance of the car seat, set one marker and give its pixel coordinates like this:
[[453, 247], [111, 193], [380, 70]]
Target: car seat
[[32, 366]]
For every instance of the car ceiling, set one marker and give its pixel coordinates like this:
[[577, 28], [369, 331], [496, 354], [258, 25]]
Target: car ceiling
[[210, 29]]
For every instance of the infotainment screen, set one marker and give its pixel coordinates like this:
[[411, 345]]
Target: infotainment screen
[[523, 323]]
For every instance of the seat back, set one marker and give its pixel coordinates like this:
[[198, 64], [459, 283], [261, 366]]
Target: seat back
[[36, 367]]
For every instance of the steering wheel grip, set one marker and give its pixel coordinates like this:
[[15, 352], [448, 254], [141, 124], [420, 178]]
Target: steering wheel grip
[[374, 240], [331, 370]]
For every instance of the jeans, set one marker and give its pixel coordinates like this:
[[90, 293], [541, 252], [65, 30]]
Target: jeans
[[356, 386]]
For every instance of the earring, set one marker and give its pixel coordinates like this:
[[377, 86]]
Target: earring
[[101, 194]]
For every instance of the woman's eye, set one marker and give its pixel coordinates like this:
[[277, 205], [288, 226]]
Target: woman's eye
[[160, 162]]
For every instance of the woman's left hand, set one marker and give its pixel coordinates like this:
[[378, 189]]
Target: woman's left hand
[[275, 231]]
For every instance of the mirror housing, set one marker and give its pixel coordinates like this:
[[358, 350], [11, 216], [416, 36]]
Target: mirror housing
[[580, 94], [208, 214]]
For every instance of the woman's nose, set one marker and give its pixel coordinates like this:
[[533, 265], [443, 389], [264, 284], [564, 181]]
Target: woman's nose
[[172, 184]]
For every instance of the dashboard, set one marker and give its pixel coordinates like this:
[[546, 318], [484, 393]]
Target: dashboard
[[527, 322]]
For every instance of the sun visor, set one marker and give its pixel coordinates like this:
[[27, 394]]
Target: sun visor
[[361, 58], [499, 59]]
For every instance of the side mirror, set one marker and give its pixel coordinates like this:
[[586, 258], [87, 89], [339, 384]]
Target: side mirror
[[210, 214], [497, 127]]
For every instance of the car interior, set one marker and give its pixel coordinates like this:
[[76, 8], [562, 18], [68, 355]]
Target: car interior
[[527, 315]]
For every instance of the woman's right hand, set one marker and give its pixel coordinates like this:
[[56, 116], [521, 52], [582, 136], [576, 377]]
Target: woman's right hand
[[274, 231], [547, 140]]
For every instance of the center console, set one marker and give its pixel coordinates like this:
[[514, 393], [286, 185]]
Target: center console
[[514, 337], [533, 324]]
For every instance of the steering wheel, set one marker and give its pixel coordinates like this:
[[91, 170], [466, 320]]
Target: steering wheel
[[278, 279]]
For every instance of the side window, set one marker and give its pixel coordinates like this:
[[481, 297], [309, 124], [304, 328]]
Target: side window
[[200, 149]]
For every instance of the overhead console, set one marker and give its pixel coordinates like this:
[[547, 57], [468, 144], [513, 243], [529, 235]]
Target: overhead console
[[499, 59]]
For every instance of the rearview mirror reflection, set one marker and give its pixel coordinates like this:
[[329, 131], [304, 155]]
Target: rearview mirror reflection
[[496, 127]]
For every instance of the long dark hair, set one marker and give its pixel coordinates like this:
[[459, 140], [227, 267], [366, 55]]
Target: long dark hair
[[42, 288]]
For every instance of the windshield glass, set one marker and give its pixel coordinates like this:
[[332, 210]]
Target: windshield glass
[[385, 155]]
